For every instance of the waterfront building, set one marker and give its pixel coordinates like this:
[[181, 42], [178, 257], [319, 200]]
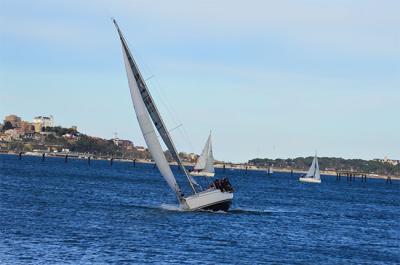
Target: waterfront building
[[193, 156], [14, 134], [140, 148], [41, 122], [14, 120], [5, 137], [389, 161], [27, 127], [37, 127], [70, 136], [123, 143]]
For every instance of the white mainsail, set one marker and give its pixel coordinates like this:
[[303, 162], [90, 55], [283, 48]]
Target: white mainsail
[[205, 163], [313, 172], [148, 117], [146, 109], [148, 131]]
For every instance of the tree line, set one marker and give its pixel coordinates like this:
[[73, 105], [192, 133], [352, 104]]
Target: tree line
[[330, 163]]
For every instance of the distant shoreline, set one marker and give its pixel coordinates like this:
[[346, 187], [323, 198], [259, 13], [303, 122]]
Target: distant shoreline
[[323, 172], [82, 156]]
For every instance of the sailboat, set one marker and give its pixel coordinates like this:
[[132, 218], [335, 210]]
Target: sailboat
[[312, 175], [219, 195], [205, 164]]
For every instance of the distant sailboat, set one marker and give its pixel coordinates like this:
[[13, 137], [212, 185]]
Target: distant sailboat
[[219, 195], [270, 171], [312, 175], [205, 164]]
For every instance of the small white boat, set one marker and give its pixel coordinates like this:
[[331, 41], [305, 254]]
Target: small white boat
[[205, 164], [312, 175], [270, 171], [33, 154], [219, 195]]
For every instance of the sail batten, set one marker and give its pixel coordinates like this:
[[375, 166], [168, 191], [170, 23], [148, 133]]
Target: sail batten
[[149, 104]]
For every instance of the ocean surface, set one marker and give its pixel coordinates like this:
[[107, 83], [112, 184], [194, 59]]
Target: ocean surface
[[53, 212]]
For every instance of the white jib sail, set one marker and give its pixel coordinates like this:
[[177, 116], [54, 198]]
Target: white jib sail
[[205, 162], [313, 172], [316, 174], [148, 131]]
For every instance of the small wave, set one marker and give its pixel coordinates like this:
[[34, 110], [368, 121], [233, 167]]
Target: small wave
[[238, 210], [248, 211], [212, 211], [257, 211], [171, 207]]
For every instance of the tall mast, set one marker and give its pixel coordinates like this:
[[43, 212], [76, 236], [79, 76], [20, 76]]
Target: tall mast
[[152, 109]]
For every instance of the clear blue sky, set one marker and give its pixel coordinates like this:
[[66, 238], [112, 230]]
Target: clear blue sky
[[269, 78]]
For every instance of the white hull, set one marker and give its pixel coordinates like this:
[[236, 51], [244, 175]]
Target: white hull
[[310, 180], [202, 174], [213, 199], [33, 154]]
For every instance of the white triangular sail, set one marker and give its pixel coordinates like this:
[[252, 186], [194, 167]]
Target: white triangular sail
[[313, 172], [146, 111], [205, 163], [148, 131]]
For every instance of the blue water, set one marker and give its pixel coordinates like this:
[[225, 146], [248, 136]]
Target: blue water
[[57, 213]]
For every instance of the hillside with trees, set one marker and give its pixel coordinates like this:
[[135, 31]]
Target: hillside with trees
[[330, 163]]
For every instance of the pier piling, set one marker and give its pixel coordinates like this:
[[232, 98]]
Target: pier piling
[[351, 175], [88, 160], [134, 162], [20, 156]]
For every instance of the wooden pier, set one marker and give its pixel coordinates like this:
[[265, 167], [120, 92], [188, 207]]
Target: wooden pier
[[351, 175]]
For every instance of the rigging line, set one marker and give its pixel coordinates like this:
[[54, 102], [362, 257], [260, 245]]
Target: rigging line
[[158, 92], [169, 131], [172, 113], [164, 99], [162, 96], [176, 127], [149, 78], [169, 112], [186, 135]]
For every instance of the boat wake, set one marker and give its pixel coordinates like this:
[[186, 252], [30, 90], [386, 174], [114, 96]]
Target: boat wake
[[171, 207], [241, 210], [237, 210]]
